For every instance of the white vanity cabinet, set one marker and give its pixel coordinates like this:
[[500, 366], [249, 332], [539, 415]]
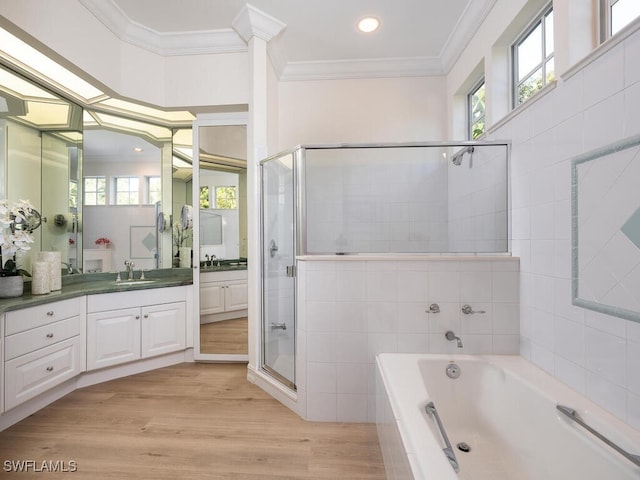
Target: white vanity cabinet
[[127, 326], [43, 347], [223, 291]]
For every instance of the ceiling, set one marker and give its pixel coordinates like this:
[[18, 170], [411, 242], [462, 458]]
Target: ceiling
[[319, 38]]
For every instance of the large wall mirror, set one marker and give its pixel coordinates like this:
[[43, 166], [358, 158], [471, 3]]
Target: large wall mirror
[[41, 158], [105, 186], [127, 185], [606, 230], [222, 242]]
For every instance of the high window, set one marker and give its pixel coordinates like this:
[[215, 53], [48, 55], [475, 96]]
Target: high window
[[95, 191], [226, 198], [127, 191], [533, 59], [617, 14], [204, 197], [476, 109]]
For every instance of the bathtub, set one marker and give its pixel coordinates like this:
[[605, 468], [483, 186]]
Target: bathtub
[[504, 409]]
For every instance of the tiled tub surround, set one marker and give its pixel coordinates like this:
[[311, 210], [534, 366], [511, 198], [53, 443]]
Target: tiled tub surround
[[596, 354], [353, 307]]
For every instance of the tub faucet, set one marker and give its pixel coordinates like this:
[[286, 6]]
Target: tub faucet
[[69, 267], [452, 336]]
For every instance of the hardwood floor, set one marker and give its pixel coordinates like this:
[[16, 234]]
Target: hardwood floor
[[189, 421], [227, 336]]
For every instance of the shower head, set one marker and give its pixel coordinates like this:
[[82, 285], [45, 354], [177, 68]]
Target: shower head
[[457, 158]]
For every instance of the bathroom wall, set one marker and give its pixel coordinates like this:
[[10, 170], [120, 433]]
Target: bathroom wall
[[350, 309], [596, 354]]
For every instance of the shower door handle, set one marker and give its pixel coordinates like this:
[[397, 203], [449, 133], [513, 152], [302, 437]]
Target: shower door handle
[[273, 248]]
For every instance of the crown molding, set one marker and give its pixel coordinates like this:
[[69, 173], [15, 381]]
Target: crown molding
[[165, 44], [373, 68], [467, 26], [252, 22]]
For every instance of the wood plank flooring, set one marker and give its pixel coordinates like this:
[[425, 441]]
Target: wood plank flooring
[[189, 421], [227, 336]]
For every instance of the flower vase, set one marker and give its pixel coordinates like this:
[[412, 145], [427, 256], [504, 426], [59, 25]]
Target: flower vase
[[11, 286]]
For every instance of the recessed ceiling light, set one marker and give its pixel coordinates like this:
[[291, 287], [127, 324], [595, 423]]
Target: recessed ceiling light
[[368, 24], [137, 149]]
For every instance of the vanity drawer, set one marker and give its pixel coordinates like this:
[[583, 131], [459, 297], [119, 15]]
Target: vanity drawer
[[33, 317], [32, 374], [31, 340]]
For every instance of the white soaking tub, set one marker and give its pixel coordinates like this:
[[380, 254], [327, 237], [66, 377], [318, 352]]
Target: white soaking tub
[[504, 409]]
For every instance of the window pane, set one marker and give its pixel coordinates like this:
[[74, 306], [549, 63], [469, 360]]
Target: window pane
[[548, 34], [550, 70], [226, 197], [623, 12], [529, 52], [90, 198], [530, 86], [204, 197]]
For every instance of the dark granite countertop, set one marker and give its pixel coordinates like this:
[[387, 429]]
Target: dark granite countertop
[[95, 283]]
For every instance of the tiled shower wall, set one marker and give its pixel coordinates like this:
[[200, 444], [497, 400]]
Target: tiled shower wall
[[596, 354], [350, 309]]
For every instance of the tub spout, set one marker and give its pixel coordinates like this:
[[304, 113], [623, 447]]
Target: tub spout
[[452, 336]]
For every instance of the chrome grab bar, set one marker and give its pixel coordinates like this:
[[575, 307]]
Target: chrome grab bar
[[448, 451], [571, 413]]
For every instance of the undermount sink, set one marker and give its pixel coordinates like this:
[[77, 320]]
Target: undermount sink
[[133, 282]]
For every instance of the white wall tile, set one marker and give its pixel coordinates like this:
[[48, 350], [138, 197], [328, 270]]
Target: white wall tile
[[542, 256], [351, 348], [475, 344], [506, 318], [542, 357], [447, 319], [475, 286], [606, 356], [322, 407], [321, 316], [568, 101], [382, 317], [603, 122], [351, 316], [412, 286], [570, 340], [321, 285], [604, 77], [353, 378], [352, 408], [573, 375], [633, 367], [606, 323], [321, 377], [607, 394], [633, 405], [351, 285], [506, 344], [478, 323], [632, 98], [413, 343], [321, 347], [381, 343], [412, 318], [505, 287], [444, 287], [382, 286]]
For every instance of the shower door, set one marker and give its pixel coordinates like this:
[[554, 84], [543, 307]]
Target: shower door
[[278, 268]]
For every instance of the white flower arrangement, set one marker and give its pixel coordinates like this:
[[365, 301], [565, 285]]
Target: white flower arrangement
[[14, 237]]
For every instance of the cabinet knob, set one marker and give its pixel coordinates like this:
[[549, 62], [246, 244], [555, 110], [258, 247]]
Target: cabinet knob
[[146, 315], [137, 317], [49, 335], [50, 313], [49, 369]]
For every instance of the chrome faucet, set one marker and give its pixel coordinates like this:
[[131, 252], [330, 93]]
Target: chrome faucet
[[69, 267], [452, 336], [129, 264]]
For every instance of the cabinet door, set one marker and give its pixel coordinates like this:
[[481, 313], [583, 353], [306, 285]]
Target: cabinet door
[[163, 329], [212, 298], [113, 337], [235, 296]]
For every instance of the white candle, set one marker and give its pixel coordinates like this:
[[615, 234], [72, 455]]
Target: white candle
[[55, 266], [41, 278]]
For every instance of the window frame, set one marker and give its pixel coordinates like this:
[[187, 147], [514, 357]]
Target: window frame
[[147, 182], [129, 191], [539, 20], [470, 123], [606, 20], [85, 191]]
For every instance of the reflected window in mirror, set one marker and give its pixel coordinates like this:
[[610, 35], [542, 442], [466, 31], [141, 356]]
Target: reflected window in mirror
[[95, 192], [127, 191], [154, 190], [204, 197], [226, 198], [73, 194]]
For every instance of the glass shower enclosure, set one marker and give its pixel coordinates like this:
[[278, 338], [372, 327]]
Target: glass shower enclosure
[[395, 199]]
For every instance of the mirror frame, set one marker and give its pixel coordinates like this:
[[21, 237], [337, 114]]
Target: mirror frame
[[602, 154], [212, 120]]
